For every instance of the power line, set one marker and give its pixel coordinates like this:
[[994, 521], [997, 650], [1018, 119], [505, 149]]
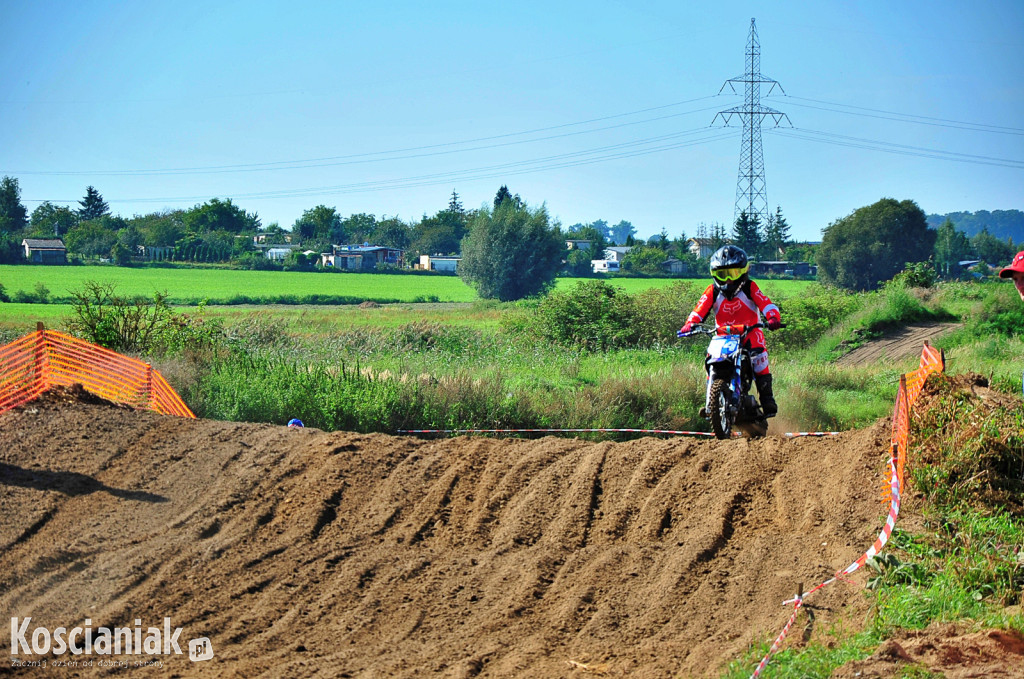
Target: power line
[[894, 148], [923, 120], [559, 161], [367, 157]]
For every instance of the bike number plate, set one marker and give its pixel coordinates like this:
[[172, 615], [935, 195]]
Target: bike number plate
[[723, 347]]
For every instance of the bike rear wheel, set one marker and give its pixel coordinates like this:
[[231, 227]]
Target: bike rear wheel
[[718, 409]]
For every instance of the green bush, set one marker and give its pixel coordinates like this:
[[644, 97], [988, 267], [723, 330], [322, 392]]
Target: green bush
[[104, 317], [593, 315], [917, 275], [39, 295], [810, 316], [597, 316], [660, 312], [137, 324], [1001, 313]]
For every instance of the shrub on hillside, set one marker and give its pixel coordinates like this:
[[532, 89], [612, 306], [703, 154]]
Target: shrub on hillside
[[1001, 313], [917, 275], [810, 316], [967, 448]]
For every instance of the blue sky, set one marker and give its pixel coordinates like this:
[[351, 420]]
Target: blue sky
[[601, 110]]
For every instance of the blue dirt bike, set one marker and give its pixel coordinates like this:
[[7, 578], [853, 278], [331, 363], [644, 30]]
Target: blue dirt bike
[[727, 403]]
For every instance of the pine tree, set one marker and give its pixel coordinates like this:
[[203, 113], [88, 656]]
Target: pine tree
[[718, 235], [455, 205], [502, 195], [776, 234], [746, 233], [93, 205]]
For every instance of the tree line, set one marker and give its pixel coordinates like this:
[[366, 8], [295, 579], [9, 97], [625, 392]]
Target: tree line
[[215, 231], [876, 242], [221, 231], [507, 249]]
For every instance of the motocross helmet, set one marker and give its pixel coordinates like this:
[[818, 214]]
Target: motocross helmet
[[729, 266]]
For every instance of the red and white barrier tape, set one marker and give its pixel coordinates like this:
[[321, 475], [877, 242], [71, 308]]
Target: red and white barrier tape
[[779, 639], [552, 431], [596, 431], [932, 360]]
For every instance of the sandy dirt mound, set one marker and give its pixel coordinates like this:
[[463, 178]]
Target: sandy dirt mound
[[302, 553], [900, 344], [945, 651]]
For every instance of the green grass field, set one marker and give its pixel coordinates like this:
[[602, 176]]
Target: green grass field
[[190, 286], [220, 286]]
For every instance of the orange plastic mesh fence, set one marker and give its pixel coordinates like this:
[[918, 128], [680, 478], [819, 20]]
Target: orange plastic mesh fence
[[47, 358], [932, 361]]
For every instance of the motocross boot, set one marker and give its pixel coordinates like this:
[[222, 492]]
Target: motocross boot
[[765, 395]]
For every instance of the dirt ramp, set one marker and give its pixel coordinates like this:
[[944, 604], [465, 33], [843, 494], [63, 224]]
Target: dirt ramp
[[302, 553]]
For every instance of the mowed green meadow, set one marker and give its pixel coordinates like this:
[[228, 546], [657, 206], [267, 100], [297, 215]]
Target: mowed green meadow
[[221, 286], [227, 286]]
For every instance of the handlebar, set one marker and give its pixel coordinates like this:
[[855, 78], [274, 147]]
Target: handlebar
[[708, 330]]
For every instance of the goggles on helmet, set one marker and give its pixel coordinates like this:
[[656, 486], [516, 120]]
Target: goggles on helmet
[[730, 274]]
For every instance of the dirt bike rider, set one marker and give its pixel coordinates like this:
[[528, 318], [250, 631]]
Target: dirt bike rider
[[735, 299]]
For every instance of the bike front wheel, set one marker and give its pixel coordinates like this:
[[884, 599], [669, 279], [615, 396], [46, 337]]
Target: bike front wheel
[[718, 409]]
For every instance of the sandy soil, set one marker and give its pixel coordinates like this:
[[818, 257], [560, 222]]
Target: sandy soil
[[945, 651], [305, 553]]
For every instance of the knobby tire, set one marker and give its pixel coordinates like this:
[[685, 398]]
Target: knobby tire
[[717, 409]]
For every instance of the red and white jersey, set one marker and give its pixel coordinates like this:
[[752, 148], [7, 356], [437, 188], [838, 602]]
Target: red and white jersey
[[741, 309]]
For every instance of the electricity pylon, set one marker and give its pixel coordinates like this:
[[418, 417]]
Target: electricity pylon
[[751, 191]]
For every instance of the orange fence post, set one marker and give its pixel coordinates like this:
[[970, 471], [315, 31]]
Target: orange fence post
[[39, 370]]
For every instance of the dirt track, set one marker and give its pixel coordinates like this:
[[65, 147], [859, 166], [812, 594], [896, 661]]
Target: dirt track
[[300, 553], [897, 345]]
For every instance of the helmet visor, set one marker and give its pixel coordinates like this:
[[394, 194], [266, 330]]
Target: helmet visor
[[731, 274]]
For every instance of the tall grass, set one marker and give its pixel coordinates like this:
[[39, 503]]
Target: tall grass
[[272, 386]]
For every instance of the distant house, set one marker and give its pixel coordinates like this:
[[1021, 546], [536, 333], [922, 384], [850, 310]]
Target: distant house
[[804, 269], [261, 238], [278, 254], [770, 266], [577, 245], [364, 257], [701, 247], [674, 266], [439, 263], [617, 253], [45, 251]]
